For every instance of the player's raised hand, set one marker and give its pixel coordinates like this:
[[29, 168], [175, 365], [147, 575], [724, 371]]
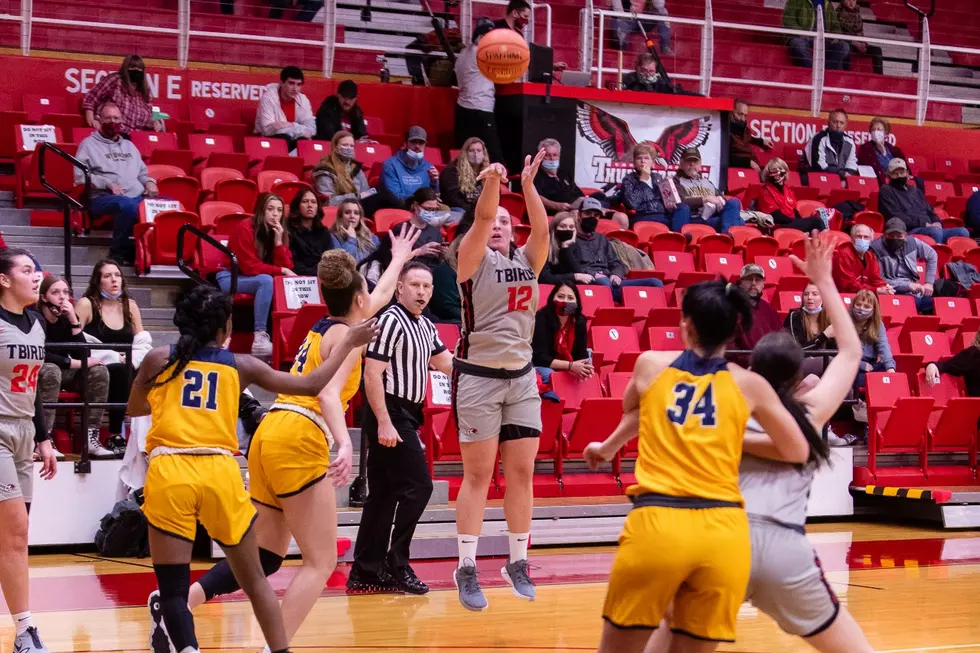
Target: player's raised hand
[[818, 265], [403, 245], [494, 170], [362, 333], [531, 167]]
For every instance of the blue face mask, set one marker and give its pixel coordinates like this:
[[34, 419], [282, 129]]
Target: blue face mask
[[862, 246], [106, 295], [415, 156], [428, 216], [812, 311], [550, 166]]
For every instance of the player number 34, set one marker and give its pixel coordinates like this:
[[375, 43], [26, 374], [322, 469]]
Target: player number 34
[[704, 408]]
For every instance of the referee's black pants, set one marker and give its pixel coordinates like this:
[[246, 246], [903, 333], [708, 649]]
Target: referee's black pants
[[399, 487], [483, 125]]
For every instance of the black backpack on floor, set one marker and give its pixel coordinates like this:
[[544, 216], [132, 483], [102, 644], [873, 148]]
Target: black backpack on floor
[[123, 533]]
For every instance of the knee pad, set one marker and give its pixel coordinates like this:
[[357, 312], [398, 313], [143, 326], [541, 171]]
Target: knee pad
[[174, 582], [218, 580], [271, 562]]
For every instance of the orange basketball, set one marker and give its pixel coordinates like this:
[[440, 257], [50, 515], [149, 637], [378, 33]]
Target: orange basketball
[[503, 56]]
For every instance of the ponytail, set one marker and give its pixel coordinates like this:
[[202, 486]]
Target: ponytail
[[716, 309], [200, 314]]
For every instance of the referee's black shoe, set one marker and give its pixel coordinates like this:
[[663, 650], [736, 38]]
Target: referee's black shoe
[[361, 582], [408, 582]]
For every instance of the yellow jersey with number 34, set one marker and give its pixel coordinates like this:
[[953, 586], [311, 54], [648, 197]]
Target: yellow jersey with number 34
[[692, 424], [198, 408], [308, 359]]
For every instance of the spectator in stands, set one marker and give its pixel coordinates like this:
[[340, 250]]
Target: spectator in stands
[[308, 238], [517, 16], [777, 199], [284, 111], [764, 317], [557, 188], [128, 90], [60, 369], [560, 339], [342, 177], [808, 324], [458, 184], [831, 149], [425, 208], [878, 152], [341, 112], [444, 305], [645, 76], [972, 215], [350, 233], [594, 256], [964, 364], [120, 180], [641, 193], [876, 353], [406, 171], [561, 266], [856, 265], [262, 247], [107, 313], [741, 145], [708, 206], [802, 15], [899, 200], [476, 99], [625, 27], [898, 256], [852, 24]]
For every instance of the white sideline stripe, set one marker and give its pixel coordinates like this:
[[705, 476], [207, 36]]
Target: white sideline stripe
[[917, 649]]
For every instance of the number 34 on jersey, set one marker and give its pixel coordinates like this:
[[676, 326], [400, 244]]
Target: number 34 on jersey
[[687, 405]]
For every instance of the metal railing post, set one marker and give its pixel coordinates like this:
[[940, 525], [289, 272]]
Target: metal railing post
[[602, 31], [329, 36], [707, 49], [183, 32], [925, 74], [585, 42], [26, 19], [819, 66], [466, 21], [529, 31]]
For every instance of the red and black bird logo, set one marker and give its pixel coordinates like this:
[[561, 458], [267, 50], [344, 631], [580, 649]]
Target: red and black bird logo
[[613, 135]]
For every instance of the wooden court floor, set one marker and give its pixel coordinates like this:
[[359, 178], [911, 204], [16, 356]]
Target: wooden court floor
[[912, 589]]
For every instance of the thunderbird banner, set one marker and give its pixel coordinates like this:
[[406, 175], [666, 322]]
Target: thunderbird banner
[[607, 132]]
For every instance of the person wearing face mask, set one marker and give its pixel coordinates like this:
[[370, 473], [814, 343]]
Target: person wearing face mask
[[898, 256], [641, 193], [645, 77], [903, 201], [427, 215], [809, 324], [561, 266], [741, 148], [476, 99], [877, 151], [342, 177], [517, 16], [764, 317], [128, 90], [560, 341], [120, 180], [406, 171], [308, 238], [777, 199], [876, 353], [341, 112], [459, 187], [856, 266], [832, 149], [558, 190]]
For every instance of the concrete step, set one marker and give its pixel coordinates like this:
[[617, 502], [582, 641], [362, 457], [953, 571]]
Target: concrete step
[[50, 255], [14, 217]]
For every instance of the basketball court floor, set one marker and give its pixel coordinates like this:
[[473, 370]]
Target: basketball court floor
[[912, 589]]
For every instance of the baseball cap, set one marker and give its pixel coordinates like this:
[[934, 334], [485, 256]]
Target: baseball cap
[[484, 26], [895, 226], [590, 204], [347, 89], [691, 154], [416, 133], [897, 164], [752, 270]]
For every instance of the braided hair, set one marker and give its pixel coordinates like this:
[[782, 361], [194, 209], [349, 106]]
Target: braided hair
[[200, 314]]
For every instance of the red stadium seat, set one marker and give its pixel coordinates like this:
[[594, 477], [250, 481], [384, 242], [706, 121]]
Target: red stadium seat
[[544, 290], [952, 311], [611, 341], [776, 267], [961, 246], [185, 190], [662, 338], [956, 207], [897, 424], [667, 242], [742, 235], [269, 178], [673, 263], [863, 185], [210, 177], [952, 428], [622, 235], [824, 182], [761, 246], [872, 219], [514, 203], [727, 265], [597, 419], [148, 142], [385, 219], [698, 231], [211, 211], [573, 390], [521, 233], [287, 190], [156, 242], [311, 152], [27, 177], [938, 191], [160, 171], [258, 148], [216, 150], [920, 163], [785, 301], [713, 244], [787, 238], [594, 298], [371, 155], [449, 334], [949, 167], [183, 159], [895, 309], [642, 299], [931, 345], [618, 382], [243, 192], [289, 329], [37, 105], [741, 178], [647, 230], [227, 223]]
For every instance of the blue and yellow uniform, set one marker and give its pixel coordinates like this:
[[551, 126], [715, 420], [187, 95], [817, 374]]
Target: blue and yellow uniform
[[291, 448], [193, 475], [687, 538]]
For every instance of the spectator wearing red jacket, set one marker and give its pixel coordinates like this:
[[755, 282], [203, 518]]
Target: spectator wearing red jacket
[[856, 266], [777, 199], [262, 247]]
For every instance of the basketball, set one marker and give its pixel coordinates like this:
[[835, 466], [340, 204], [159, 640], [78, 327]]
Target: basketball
[[503, 56]]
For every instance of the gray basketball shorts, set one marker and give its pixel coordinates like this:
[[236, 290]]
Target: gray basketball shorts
[[488, 403], [787, 582], [16, 459]]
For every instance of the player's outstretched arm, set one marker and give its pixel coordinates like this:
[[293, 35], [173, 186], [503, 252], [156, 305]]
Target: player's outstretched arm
[[401, 253], [473, 245], [153, 362], [539, 242]]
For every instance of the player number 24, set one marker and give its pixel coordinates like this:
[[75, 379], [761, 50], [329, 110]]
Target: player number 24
[[704, 408], [518, 298], [195, 391], [25, 378]]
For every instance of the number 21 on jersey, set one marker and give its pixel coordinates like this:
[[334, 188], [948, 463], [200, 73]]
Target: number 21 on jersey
[[200, 390], [703, 409]]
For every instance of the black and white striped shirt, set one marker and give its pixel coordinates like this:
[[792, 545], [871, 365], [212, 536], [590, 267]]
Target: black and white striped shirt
[[406, 343]]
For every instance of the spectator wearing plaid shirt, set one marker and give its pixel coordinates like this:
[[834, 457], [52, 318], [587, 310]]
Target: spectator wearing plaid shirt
[[127, 89]]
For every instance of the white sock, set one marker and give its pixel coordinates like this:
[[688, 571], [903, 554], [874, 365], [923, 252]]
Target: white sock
[[518, 545], [467, 549], [23, 621]]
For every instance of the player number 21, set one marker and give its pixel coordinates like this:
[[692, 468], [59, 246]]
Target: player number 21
[[195, 392], [684, 397], [518, 298]]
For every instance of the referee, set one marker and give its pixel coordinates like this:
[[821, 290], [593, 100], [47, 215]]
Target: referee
[[396, 371]]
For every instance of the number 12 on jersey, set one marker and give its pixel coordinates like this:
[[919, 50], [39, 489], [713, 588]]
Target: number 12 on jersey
[[195, 392], [704, 409], [518, 298]]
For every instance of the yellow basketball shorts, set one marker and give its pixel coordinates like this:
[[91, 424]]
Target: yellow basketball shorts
[[698, 558], [288, 454], [182, 490]]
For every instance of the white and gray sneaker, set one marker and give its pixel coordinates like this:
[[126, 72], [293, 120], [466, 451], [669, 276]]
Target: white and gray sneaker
[[29, 642], [470, 594], [515, 573], [95, 448], [261, 345], [159, 638]]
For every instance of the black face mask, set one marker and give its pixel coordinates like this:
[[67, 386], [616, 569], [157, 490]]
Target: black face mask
[[895, 244], [899, 182], [136, 76], [564, 235], [54, 308], [589, 224], [738, 126]]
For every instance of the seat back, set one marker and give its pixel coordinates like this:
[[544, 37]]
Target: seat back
[[673, 264], [961, 246], [202, 145], [449, 334], [597, 419], [698, 231], [611, 341], [243, 192], [647, 230], [573, 390], [742, 234], [642, 299], [147, 142], [227, 223], [618, 382], [259, 147], [385, 219], [161, 171], [931, 345], [165, 228], [185, 190], [211, 176], [776, 267], [952, 311], [371, 154], [269, 178], [287, 190], [740, 178], [787, 237], [895, 309], [787, 300], [665, 338], [670, 241], [312, 151], [727, 265], [863, 185], [211, 211], [36, 106], [593, 298], [939, 190], [824, 182], [760, 246]]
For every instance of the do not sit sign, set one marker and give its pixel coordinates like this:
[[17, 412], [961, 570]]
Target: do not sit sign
[[300, 291]]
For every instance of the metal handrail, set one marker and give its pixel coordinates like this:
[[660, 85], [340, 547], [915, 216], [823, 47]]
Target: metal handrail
[[69, 202], [184, 264]]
